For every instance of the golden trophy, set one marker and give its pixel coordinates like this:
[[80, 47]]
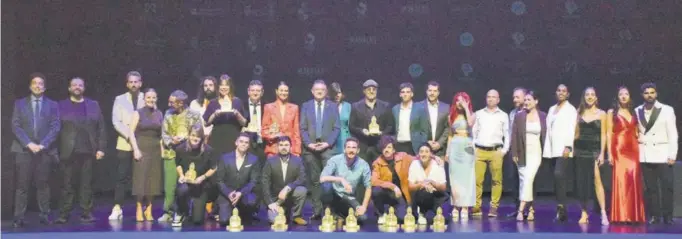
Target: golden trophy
[[409, 222], [191, 173], [226, 108], [252, 127], [235, 222], [373, 127], [280, 223], [351, 222], [391, 223], [439, 221], [274, 128], [328, 224]]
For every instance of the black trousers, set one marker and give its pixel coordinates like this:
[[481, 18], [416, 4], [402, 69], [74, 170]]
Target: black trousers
[[658, 189], [425, 201], [560, 167], [382, 197], [511, 173], [246, 206], [198, 195], [339, 205], [369, 153], [78, 164], [405, 147], [124, 159], [32, 167], [314, 163], [258, 150]]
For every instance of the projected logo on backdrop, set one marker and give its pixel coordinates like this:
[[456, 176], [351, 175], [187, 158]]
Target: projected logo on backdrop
[[467, 72], [361, 10], [624, 36], [571, 9], [252, 43], [309, 42], [466, 39], [465, 7], [415, 9], [154, 24], [258, 70], [518, 39], [518, 8], [305, 12], [362, 40], [267, 11], [415, 70]]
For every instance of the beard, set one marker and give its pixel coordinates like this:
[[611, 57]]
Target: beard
[[210, 95]]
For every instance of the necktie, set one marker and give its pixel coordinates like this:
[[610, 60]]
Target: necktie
[[254, 117], [318, 121], [36, 115]]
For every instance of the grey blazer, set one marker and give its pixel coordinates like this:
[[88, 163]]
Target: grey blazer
[[518, 138]]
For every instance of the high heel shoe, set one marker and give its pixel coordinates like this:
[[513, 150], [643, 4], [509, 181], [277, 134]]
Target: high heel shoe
[[455, 214], [148, 213], [531, 214], [604, 218], [519, 216], [584, 219], [139, 215]]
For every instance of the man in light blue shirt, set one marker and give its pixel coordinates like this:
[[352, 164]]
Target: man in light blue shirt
[[341, 177]]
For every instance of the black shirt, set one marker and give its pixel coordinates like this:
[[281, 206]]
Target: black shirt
[[76, 116], [361, 116], [396, 179], [203, 161]]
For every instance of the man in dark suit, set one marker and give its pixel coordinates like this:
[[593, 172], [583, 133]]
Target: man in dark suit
[[410, 122], [253, 128], [361, 116], [82, 139], [437, 116], [35, 124], [236, 177], [319, 123], [283, 179]]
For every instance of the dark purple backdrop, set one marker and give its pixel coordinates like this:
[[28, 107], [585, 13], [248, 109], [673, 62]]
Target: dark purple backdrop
[[467, 45]]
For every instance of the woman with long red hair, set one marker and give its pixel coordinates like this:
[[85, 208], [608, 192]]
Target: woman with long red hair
[[460, 156]]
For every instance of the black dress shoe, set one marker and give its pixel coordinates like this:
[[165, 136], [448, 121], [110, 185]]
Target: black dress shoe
[[668, 220], [62, 220], [654, 220], [87, 218], [18, 223], [561, 214], [316, 218], [45, 220]]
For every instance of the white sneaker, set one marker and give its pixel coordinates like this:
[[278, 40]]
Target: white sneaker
[[464, 215], [166, 217], [116, 213], [382, 219], [421, 220]]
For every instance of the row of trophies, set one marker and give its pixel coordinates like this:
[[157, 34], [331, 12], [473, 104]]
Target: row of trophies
[[351, 222]]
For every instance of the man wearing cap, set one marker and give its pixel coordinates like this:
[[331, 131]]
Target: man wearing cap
[[361, 115]]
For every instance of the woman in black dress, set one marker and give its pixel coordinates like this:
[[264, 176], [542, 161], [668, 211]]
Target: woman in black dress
[[145, 137], [590, 145], [226, 114], [196, 162]]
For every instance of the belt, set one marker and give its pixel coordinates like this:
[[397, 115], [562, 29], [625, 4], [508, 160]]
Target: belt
[[493, 148], [318, 140]]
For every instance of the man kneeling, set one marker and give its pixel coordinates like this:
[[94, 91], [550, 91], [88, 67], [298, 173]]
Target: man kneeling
[[236, 176], [389, 179], [283, 178], [340, 178], [427, 183]]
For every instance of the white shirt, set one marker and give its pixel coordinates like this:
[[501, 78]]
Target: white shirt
[[433, 118], [416, 172], [560, 130], [200, 109], [256, 120], [239, 160], [404, 123], [491, 128], [285, 165]]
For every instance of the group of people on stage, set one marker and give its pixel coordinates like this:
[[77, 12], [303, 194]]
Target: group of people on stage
[[218, 152]]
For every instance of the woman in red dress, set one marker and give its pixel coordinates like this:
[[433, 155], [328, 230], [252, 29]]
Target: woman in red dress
[[626, 199]]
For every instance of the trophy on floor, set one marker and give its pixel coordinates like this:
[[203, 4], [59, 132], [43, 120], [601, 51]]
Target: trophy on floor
[[327, 222], [280, 223], [235, 222], [409, 222], [391, 223], [373, 127], [351, 222], [439, 221], [191, 173]]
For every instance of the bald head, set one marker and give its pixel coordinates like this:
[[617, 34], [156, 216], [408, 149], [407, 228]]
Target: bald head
[[492, 98]]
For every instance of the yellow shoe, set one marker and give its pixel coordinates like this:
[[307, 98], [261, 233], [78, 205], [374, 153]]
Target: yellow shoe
[[209, 208], [148, 213], [139, 216]]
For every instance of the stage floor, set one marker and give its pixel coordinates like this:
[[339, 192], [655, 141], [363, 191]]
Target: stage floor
[[543, 227]]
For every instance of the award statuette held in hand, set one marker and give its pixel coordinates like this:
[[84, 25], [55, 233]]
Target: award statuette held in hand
[[235, 222], [409, 222], [280, 223], [274, 128], [373, 127], [439, 221], [328, 224], [351, 222], [191, 173], [226, 108], [251, 127]]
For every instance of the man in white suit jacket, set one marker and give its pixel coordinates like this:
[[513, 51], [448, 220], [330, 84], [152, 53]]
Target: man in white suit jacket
[[124, 107], [657, 154], [558, 145]]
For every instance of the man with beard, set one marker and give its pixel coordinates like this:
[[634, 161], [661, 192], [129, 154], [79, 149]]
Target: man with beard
[[35, 124], [510, 166], [177, 123], [284, 178], [319, 131], [437, 126], [206, 93], [558, 145], [361, 116], [82, 139], [125, 105], [340, 179], [658, 151], [389, 180], [236, 177]]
